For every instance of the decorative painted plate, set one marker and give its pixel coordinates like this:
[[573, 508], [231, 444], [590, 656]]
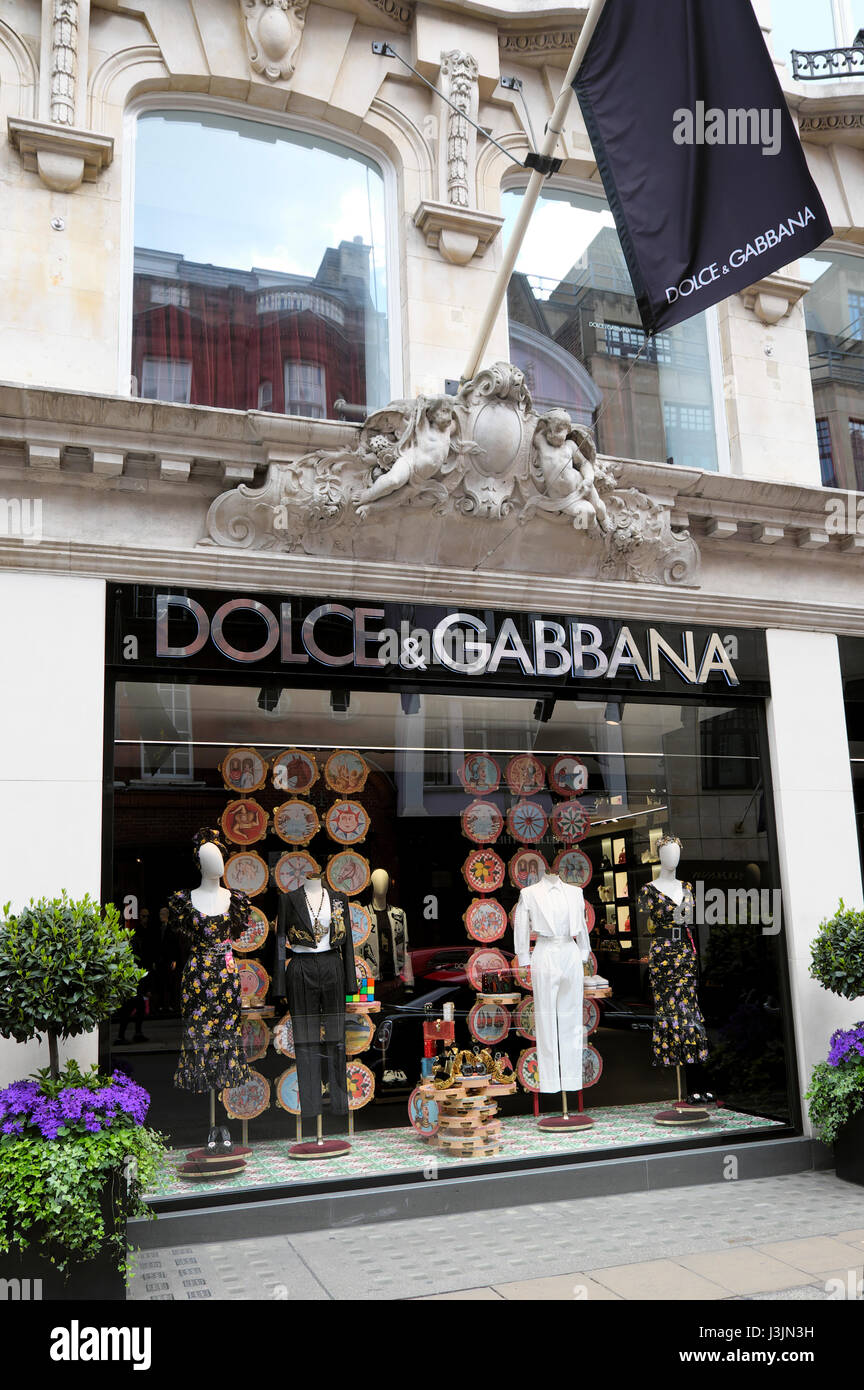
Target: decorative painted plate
[[250, 1099], [345, 772], [527, 822], [526, 867], [423, 1113], [574, 867], [570, 822], [489, 1023], [288, 1091], [244, 821], [590, 917], [359, 1032], [361, 1085], [483, 871], [482, 822], [283, 1036], [592, 1067], [485, 919], [243, 769], [591, 963], [525, 775], [480, 774], [296, 822], [363, 969], [568, 776], [254, 981], [254, 935], [527, 1069], [525, 1019], [486, 960], [361, 923], [348, 872], [523, 975], [590, 1016], [247, 873], [293, 868], [347, 822], [256, 1038], [294, 771]]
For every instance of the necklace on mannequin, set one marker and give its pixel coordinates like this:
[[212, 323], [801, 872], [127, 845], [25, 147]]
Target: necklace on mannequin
[[317, 928]]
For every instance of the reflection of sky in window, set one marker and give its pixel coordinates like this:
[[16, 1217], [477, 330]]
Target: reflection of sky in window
[[558, 234], [802, 24], [210, 193]]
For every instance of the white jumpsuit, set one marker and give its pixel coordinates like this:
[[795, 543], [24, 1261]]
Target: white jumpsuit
[[555, 911]]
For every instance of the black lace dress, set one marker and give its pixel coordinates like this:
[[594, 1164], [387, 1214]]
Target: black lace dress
[[211, 1055], [679, 1029]]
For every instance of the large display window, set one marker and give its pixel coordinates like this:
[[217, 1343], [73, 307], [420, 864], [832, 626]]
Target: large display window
[[424, 818]]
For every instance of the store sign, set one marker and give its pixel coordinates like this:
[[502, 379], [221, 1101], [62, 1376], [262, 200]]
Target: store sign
[[299, 636]]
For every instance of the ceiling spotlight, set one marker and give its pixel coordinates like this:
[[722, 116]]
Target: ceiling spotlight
[[613, 712], [544, 709], [268, 698], [339, 701]]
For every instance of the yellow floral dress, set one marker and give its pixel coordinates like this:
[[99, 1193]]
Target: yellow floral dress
[[679, 1028], [211, 1054]]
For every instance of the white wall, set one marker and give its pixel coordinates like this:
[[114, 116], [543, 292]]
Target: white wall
[[52, 639], [819, 859]]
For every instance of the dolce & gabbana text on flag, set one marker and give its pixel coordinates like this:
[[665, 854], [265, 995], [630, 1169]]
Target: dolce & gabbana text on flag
[[759, 246]]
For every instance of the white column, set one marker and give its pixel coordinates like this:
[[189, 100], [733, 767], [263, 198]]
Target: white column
[[52, 636], [819, 859]]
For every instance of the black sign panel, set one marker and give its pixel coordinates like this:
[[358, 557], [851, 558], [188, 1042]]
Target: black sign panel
[[192, 634]]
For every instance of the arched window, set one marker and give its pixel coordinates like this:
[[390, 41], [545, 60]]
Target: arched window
[[260, 274]]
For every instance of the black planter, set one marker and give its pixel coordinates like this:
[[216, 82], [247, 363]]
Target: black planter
[[97, 1279], [849, 1150]]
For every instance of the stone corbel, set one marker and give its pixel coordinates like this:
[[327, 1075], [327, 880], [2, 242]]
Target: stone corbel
[[62, 157], [774, 297], [458, 233]]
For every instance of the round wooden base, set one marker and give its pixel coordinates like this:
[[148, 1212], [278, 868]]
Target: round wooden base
[[685, 1115], [208, 1172], [202, 1156], [498, 998], [328, 1148], [371, 1007], [559, 1122]]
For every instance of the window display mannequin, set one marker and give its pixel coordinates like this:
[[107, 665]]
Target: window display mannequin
[[209, 918], [316, 924], [387, 953], [555, 912]]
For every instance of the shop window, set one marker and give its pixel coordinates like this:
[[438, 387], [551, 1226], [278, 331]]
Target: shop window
[[258, 249], [826, 453], [574, 321]]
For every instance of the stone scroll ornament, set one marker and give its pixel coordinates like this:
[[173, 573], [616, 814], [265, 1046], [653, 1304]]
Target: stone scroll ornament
[[274, 29], [485, 455]]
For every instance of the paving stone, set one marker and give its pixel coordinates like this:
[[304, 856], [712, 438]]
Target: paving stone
[[815, 1253], [563, 1288], [466, 1295], [658, 1281], [745, 1271]]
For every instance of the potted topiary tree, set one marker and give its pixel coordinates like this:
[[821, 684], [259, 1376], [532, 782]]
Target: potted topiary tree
[[75, 1154], [836, 1092]]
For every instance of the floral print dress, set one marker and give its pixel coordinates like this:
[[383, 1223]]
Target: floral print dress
[[211, 1054], [679, 1028]]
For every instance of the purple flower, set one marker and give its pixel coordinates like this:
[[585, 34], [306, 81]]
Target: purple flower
[[846, 1045], [23, 1107]]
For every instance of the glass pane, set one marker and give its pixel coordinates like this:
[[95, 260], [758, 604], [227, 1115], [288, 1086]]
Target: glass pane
[[807, 25], [576, 334], [834, 312], [256, 248]]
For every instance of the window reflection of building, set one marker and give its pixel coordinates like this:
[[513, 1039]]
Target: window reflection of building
[[834, 309]]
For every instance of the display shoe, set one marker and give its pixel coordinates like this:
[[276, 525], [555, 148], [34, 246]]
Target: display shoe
[[214, 1141], [225, 1140]]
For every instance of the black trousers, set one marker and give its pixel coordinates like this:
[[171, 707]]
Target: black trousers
[[316, 1001]]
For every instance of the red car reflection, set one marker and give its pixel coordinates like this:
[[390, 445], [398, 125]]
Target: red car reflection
[[442, 964]]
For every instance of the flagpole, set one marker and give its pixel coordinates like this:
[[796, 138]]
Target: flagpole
[[532, 193]]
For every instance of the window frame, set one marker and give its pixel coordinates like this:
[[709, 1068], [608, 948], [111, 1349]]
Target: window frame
[[201, 102]]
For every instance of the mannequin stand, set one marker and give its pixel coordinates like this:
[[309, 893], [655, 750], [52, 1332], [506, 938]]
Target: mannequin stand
[[564, 1121], [681, 1113], [320, 1147]]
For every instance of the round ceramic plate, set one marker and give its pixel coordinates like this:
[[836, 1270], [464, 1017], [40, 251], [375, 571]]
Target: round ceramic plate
[[243, 769], [244, 822], [361, 1085], [590, 917], [480, 774], [485, 919], [347, 822], [256, 1038], [482, 822], [294, 771], [254, 935], [525, 1019], [489, 1023], [574, 867], [527, 1070], [254, 981], [523, 975], [568, 776], [363, 969], [592, 964], [296, 822], [283, 1036], [361, 924], [570, 822], [359, 1032], [348, 872], [345, 772], [294, 868], [526, 822], [247, 873], [590, 1016], [486, 960], [423, 1113], [288, 1091], [525, 775], [527, 867], [249, 1100], [483, 871], [592, 1067]]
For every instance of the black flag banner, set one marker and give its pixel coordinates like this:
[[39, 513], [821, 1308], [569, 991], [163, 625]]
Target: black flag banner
[[699, 156]]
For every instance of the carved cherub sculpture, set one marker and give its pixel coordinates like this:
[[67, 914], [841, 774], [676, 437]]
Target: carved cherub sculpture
[[428, 449], [565, 472]]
